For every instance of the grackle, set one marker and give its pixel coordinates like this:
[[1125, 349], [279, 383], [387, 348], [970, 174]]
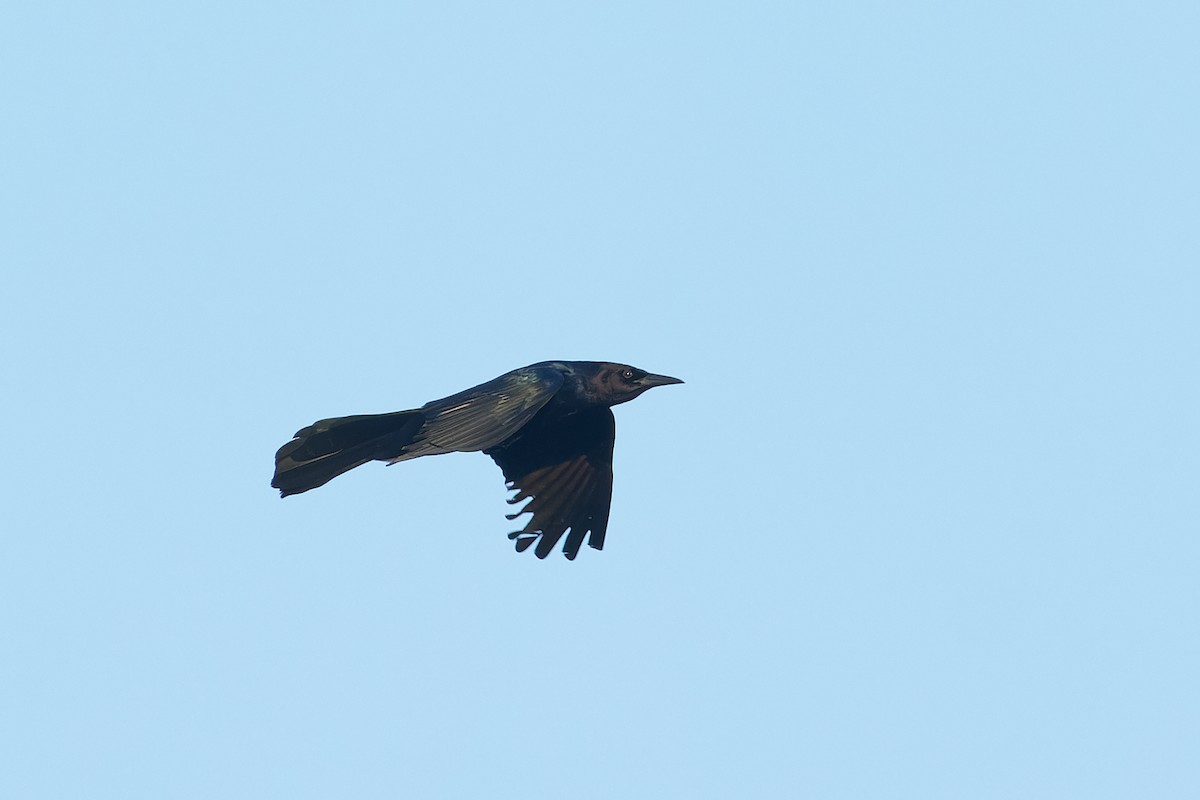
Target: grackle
[[549, 427]]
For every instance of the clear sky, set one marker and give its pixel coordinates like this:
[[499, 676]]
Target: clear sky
[[922, 523]]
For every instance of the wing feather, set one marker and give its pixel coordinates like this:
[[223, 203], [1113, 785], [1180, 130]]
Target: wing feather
[[561, 464], [486, 415]]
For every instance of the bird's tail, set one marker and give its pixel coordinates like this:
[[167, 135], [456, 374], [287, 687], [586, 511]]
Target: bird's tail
[[326, 449]]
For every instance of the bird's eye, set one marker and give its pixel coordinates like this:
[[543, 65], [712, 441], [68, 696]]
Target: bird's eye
[[627, 374]]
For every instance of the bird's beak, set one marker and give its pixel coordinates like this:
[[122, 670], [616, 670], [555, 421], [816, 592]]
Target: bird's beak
[[650, 381]]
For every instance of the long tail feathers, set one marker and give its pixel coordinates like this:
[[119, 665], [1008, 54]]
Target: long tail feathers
[[326, 449]]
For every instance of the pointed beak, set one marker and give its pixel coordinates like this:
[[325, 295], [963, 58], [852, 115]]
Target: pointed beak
[[650, 381]]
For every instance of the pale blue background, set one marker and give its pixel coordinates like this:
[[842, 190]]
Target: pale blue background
[[922, 522]]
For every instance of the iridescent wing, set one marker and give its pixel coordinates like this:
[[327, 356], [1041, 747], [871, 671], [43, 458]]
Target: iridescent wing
[[483, 416]]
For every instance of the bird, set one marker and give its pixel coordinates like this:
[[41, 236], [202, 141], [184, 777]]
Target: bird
[[548, 426]]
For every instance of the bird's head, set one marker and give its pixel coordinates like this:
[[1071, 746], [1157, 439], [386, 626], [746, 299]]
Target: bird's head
[[612, 384]]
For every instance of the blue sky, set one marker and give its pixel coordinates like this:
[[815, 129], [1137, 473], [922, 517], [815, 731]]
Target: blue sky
[[921, 523]]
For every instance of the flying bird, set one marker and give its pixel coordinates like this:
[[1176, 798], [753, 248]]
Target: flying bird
[[548, 426]]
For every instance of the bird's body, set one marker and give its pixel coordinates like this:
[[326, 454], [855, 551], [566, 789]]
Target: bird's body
[[549, 427]]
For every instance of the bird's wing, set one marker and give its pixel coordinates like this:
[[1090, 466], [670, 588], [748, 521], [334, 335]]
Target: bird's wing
[[486, 415], [563, 466]]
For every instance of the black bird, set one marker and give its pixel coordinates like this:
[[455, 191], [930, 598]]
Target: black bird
[[549, 427]]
